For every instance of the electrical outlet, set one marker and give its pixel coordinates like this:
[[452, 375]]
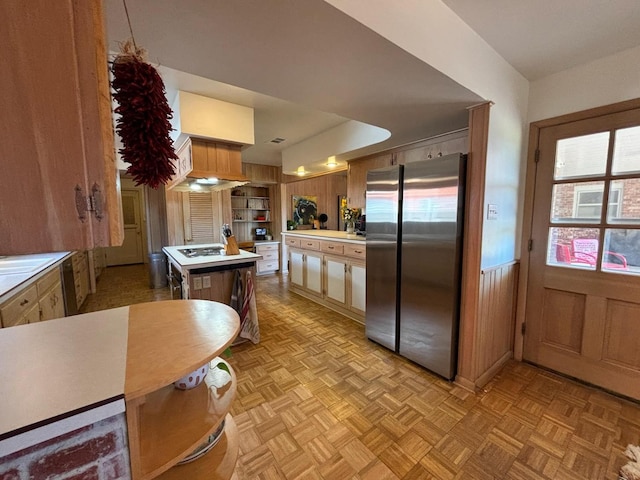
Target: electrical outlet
[[206, 282], [492, 212], [197, 283]]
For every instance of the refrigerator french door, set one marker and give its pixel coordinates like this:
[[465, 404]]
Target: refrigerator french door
[[414, 240]]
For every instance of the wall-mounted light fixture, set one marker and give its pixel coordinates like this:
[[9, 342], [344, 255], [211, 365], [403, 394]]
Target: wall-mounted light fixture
[[331, 161]]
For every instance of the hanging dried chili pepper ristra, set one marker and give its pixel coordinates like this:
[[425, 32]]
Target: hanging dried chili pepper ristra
[[143, 124]]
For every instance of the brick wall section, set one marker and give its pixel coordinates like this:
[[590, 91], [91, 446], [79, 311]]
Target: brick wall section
[[95, 452]]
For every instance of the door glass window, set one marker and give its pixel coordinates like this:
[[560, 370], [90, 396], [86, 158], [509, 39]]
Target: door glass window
[[577, 202], [626, 152], [583, 156], [593, 192]]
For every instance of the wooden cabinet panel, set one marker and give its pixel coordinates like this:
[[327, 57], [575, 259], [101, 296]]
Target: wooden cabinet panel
[[214, 158], [292, 242], [59, 113], [13, 311], [357, 251], [332, 247], [357, 177], [51, 302], [265, 174], [308, 244]]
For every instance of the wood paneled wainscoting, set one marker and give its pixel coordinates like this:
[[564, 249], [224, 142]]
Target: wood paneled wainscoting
[[494, 327]]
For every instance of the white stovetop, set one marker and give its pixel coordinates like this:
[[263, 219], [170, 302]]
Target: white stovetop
[[213, 260]]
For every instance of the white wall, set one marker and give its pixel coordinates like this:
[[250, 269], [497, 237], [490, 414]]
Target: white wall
[[431, 31], [608, 80]]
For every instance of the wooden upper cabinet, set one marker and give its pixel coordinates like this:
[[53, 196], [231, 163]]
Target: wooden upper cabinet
[[55, 112], [357, 177], [212, 159], [262, 174], [458, 143]]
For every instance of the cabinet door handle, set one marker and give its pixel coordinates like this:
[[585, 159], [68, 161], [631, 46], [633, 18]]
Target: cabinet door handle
[[358, 251], [24, 302], [330, 247]]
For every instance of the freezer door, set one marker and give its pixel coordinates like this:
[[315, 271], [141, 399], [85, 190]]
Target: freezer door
[[382, 208], [432, 210]]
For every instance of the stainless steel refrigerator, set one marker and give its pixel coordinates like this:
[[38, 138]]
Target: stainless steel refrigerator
[[414, 247]]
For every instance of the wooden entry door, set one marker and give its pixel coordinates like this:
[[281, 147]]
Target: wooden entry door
[[583, 297], [131, 251]]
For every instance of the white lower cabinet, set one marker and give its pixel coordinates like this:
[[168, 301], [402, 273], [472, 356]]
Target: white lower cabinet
[[358, 288], [329, 272], [42, 300], [345, 283], [305, 271]]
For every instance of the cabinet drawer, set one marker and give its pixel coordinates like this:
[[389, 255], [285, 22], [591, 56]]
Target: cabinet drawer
[[358, 251], [266, 248], [267, 266], [292, 242], [273, 256], [48, 280], [16, 308], [332, 247], [310, 244]]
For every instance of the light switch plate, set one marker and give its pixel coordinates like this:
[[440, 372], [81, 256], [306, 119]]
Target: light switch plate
[[197, 283], [492, 211], [206, 282]]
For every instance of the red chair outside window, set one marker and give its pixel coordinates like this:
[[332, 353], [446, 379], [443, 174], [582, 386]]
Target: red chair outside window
[[585, 250]]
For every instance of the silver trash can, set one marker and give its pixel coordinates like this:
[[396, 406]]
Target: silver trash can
[[157, 270]]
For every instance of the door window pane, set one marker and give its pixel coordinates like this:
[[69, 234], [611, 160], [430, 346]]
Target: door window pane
[[577, 202], [624, 201], [626, 151], [584, 156], [621, 251], [573, 247]]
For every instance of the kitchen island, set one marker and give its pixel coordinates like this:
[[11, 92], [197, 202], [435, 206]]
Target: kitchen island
[[65, 384], [206, 271], [328, 267]]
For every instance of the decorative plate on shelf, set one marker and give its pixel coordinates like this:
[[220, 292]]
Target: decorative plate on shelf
[[211, 442]]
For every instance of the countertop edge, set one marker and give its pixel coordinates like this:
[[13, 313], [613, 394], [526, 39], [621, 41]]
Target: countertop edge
[[328, 235], [28, 279]]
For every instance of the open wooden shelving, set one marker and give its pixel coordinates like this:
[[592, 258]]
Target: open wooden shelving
[[218, 464], [167, 340]]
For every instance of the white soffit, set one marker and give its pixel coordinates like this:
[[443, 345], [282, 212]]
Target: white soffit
[[313, 153]]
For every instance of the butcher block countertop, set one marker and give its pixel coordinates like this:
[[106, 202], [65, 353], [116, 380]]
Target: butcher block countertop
[[327, 235], [65, 367]]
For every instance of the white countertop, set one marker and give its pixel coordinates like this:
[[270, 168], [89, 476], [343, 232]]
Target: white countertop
[[60, 366], [191, 263], [328, 234], [12, 283]]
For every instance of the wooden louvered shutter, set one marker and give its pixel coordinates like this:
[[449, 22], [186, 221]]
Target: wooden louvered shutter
[[201, 218]]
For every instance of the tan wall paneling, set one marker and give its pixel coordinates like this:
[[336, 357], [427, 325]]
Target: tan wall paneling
[[563, 319], [496, 313], [472, 246], [325, 187]]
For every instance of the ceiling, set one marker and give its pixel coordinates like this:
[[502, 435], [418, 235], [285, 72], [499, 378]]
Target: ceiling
[[542, 37], [305, 67]]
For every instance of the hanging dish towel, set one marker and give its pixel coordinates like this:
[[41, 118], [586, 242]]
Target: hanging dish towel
[[249, 317]]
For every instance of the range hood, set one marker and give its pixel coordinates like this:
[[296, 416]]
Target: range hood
[[209, 134]]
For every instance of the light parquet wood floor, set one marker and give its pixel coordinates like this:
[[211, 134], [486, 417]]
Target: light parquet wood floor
[[317, 400]]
